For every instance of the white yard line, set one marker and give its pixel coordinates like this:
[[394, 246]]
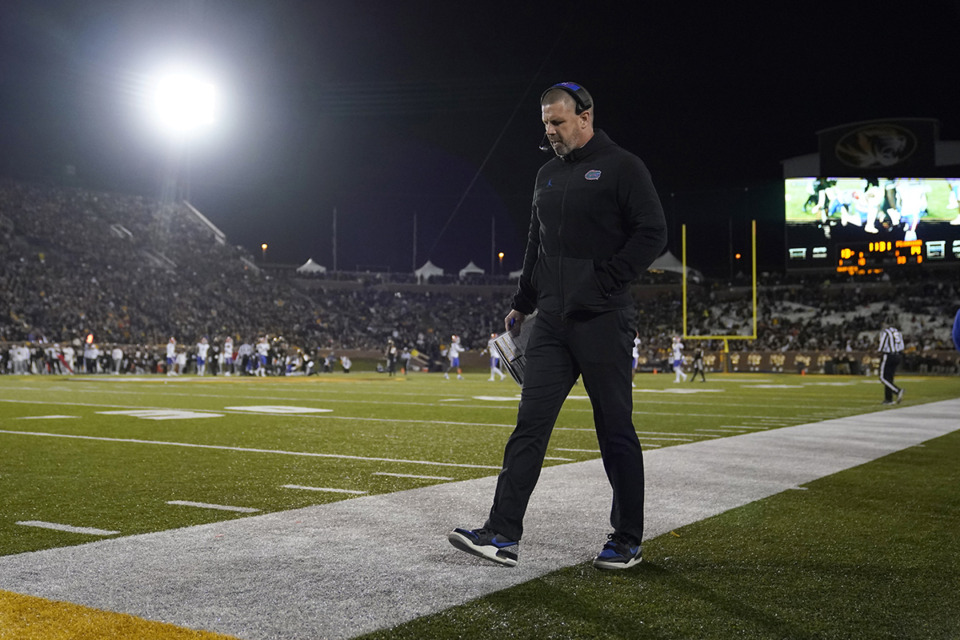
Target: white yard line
[[217, 507], [328, 489], [742, 427], [409, 475], [722, 430], [90, 531], [190, 445], [643, 434], [324, 399], [318, 416]]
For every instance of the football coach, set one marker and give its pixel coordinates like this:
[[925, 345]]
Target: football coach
[[596, 225]]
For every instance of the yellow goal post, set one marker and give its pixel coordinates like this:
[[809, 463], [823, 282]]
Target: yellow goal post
[[753, 282]]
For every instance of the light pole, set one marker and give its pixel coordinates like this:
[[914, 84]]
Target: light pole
[[500, 255], [263, 249]]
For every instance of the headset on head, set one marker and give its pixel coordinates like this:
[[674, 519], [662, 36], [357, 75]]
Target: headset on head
[[578, 93]]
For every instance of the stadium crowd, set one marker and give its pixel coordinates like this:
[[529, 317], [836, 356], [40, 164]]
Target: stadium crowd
[[131, 272]]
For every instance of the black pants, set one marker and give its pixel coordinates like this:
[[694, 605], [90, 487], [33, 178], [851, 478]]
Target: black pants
[[598, 347], [888, 368]]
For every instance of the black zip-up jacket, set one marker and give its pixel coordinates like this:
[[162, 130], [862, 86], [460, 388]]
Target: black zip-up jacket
[[597, 224]]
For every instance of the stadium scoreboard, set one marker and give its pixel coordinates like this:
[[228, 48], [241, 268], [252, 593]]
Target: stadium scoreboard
[[870, 225]]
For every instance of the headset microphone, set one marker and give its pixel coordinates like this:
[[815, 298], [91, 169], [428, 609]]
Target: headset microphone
[[545, 145]]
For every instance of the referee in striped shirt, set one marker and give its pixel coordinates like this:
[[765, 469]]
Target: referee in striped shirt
[[891, 352]]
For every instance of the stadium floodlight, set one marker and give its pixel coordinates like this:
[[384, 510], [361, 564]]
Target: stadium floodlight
[[184, 102]]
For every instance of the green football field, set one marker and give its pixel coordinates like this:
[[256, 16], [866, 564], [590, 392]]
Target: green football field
[[869, 552]]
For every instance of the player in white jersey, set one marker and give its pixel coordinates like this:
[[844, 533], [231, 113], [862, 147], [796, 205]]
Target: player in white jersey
[[494, 358], [172, 356], [953, 199], [912, 203], [228, 355], [867, 206], [453, 355], [636, 357], [202, 348], [263, 351], [245, 359], [68, 358], [678, 360], [117, 357], [182, 361]]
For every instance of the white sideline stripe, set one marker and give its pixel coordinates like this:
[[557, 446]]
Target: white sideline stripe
[[207, 505], [556, 459], [577, 450], [330, 489], [90, 531], [726, 430], [308, 454], [45, 417], [410, 475], [739, 427]]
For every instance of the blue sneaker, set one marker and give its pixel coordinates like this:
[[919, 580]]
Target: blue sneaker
[[618, 553], [486, 544]]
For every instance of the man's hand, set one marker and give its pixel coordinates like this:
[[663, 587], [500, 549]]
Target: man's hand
[[513, 321]]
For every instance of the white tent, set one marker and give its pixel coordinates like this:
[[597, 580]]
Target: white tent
[[471, 268], [311, 267], [427, 271], [670, 262]]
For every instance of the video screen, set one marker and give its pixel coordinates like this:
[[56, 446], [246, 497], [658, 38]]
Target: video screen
[[872, 207], [871, 222]]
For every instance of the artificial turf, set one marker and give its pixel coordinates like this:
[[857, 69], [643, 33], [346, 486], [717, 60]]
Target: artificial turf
[[869, 552]]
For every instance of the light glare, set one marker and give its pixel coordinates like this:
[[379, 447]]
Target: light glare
[[185, 103]]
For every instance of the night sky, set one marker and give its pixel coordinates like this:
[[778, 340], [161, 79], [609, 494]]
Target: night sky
[[390, 111]]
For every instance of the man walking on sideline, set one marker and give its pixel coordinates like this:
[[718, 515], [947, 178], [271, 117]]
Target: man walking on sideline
[[891, 352], [596, 224]]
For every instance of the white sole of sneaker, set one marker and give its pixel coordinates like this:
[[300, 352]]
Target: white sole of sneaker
[[603, 564], [486, 551]]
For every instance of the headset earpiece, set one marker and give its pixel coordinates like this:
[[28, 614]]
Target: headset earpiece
[[580, 95]]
